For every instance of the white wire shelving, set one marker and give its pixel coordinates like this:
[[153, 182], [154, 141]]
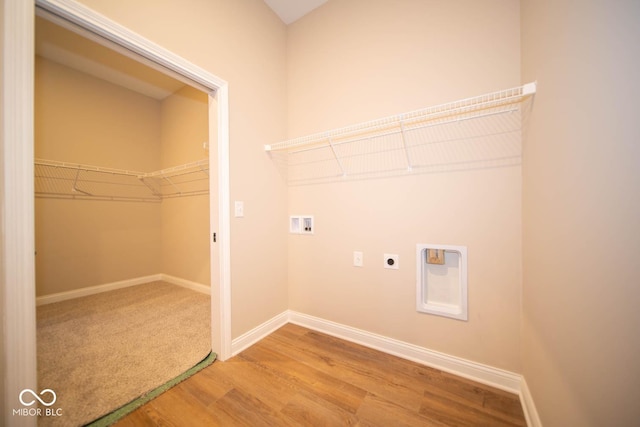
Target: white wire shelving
[[63, 180], [410, 142]]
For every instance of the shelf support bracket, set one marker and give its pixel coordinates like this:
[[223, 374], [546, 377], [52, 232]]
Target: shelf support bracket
[[333, 150], [75, 188], [204, 170], [404, 145], [154, 192], [172, 184]]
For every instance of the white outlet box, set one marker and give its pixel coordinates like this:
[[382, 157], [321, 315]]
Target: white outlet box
[[294, 225], [307, 225], [391, 261], [301, 224], [357, 259], [442, 288], [239, 209]]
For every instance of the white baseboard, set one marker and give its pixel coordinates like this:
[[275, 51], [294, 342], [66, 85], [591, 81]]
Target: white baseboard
[[251, 337], [528, 406], [92, 290], [194, 286], [484, 374]]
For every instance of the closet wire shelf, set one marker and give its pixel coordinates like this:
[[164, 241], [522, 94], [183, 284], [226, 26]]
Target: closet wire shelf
[[63, 180], [482, 131]]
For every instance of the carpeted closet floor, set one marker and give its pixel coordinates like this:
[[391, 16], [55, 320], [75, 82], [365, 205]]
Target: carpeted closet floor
[[99, 352]]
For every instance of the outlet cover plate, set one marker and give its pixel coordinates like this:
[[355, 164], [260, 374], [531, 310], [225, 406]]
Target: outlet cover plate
[[357, 259], [391, 261], [239, 209]]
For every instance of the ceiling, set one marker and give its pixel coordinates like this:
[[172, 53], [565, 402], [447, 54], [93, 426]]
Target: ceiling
[[292, 10]]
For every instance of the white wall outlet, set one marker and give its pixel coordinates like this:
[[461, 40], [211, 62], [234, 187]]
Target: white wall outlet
[[307, 225], [301, 224], [239, 209], [391, 261], [357, 259]]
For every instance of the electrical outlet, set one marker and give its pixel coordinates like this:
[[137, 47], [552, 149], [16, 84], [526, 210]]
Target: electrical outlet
[[301, 224], [307, 225], [357, 259], [391, 261]]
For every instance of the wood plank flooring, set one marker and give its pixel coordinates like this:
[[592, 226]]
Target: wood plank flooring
[[299, 377]]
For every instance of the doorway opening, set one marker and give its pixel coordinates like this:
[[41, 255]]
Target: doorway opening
[[121, 223], [17, 111]]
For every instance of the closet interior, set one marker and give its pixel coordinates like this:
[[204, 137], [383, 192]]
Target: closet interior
[[121, 188], [121, 168]]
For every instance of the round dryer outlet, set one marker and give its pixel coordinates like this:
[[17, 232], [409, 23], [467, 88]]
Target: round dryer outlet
[[391, 261]]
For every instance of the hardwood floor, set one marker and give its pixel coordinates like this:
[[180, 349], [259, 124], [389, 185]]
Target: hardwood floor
[[299, 377]]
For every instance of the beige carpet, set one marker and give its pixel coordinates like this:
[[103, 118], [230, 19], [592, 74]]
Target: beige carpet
[[101, 351]]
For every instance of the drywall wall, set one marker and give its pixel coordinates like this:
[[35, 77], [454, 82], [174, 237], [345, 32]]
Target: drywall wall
[[185, 220], [356, 60], [580, 212], [83, 243], [243, 42], [81, 119], [2, 221]]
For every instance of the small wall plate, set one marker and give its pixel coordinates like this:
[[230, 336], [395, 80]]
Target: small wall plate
[[301, 224], [357, 259], [294, 225], [391, 261]]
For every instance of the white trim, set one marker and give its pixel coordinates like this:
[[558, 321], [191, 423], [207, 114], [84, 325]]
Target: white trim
[[102, 26], [188, 284], [247, 339], [17, 217], [18, 269], [484, 374], [97, 289], [528, 406], [106, 287], [223, 297]]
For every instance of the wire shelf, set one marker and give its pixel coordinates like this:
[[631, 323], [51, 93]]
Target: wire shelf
[[461, 134], [54, 179]]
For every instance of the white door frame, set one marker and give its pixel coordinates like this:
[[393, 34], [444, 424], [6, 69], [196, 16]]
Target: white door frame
[[18, 264]]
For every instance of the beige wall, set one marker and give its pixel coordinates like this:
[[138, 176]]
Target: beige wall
[[356, 60], [379, 58], [2, 221], [353, 60], [81, 119], [243, 42], [185, 220], [581, 207], [184, 127], [83, 243]]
